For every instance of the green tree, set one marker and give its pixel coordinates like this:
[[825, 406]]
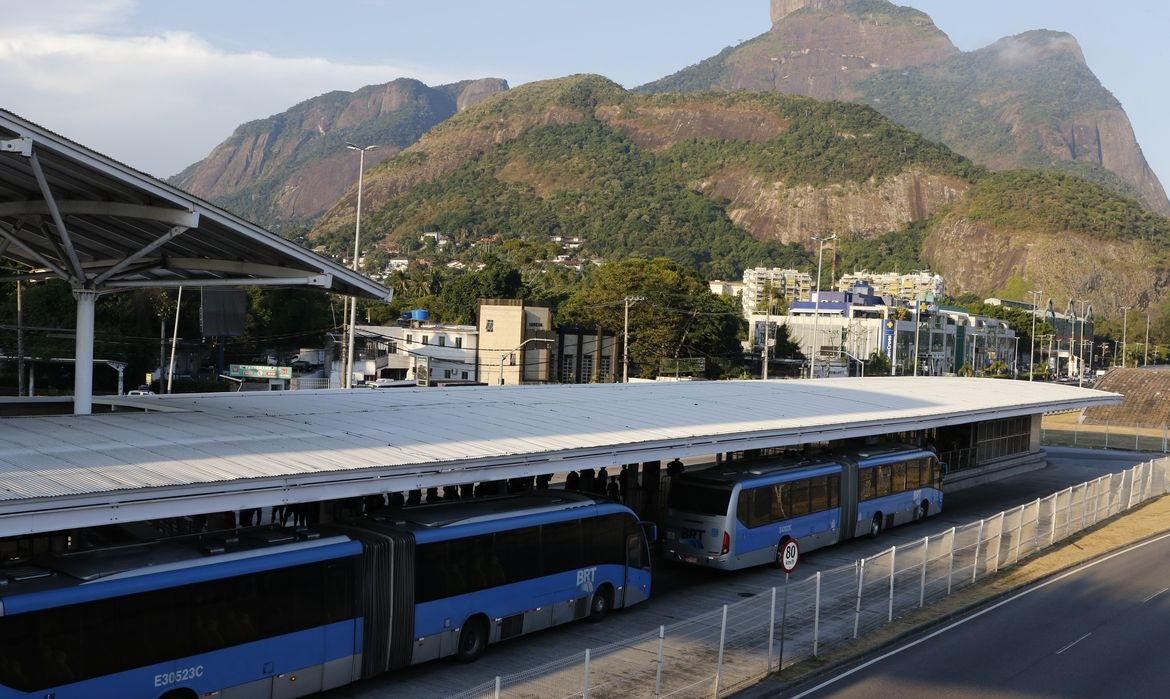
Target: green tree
[[676, 314]]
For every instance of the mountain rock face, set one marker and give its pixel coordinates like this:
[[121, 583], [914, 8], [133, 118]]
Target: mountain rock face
[[638, 174], [290, 167], [1025, 101]]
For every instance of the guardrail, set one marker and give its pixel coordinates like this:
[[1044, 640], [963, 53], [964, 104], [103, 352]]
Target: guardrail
[[726, 649]]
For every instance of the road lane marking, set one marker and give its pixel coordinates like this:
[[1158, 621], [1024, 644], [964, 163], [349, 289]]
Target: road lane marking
[[1027, 591], [1074, 643], [1164, 589]]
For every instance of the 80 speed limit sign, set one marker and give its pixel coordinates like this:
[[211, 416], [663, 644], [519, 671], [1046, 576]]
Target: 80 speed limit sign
[[789, 555]]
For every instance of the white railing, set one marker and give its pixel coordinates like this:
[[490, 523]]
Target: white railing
[[726, 649], [1148, 437]]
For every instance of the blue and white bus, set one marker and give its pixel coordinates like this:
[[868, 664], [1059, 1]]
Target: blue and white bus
[[739, 515], [274, 612]]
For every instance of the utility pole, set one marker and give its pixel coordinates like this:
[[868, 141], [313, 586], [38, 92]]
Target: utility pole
[[1146, 347], [817, 306], [626, 337], [20, 343], [1036, 294], [1124, 318]]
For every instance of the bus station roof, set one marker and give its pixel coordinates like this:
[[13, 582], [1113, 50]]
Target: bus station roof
[[200, 453], [69, 212]]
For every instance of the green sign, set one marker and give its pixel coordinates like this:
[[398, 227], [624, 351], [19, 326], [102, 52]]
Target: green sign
[[250, 371]]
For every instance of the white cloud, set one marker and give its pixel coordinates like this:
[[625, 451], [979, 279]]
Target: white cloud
[[158, 103]]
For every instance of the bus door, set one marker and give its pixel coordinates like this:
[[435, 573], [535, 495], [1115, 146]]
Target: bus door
[[849, 474], [638, 562]]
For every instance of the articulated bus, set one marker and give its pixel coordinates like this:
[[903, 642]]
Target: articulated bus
[[739, 515], [274, 612]]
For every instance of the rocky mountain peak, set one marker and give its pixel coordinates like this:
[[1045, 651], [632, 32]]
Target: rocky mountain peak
[[783, 8], [1036, 46]]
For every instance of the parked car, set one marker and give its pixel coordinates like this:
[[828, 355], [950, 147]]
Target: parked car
[[390, 383]]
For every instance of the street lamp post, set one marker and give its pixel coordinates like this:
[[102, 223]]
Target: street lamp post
[[625, 339], [357, 233], [817, 306], [1146, 346], [1036, 294], [1124, 339], [516, 349], [1081, 345]]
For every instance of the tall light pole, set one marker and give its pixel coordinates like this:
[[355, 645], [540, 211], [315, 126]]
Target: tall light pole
[[1124, 318], [1146, 346], [516, 349], [1036, 294], [357, 234], [1081, 345], [817, 306], [625, 338]]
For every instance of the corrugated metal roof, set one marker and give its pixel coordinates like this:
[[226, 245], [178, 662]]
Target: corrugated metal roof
[[208, 452]]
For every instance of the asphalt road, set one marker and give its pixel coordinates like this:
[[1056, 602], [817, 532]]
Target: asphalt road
[[1095, 631], [684, 592]]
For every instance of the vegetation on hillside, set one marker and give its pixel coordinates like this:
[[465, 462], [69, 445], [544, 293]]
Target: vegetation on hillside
[[1035, 200]]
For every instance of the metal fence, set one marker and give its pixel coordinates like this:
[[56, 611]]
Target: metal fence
[[1151, 437], [726, 649]]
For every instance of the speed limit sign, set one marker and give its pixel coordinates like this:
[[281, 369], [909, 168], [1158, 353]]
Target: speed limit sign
[[789, 555]]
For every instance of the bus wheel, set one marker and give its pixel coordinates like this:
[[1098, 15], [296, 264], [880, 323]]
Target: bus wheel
[[602, 601], [473, 640], [780, 553], [179, 694], [875, 527]]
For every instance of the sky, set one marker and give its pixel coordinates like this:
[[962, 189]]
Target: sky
[[157, 84]]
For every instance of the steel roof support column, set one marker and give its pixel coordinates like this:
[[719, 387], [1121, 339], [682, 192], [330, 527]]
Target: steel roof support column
[[83, 366]]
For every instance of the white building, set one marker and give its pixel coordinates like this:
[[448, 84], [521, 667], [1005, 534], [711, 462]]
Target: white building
[[418, 351], [785, 283], [905, 287]]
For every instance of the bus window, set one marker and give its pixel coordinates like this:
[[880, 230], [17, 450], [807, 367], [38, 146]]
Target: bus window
[[819, 493], [698, 499], [781, 502], [560, 545], [865, 489], [882, 480], [799, 497], [935, 473], [634, 550], [519, 553], [603, 539], [834, 491], [899, 477]]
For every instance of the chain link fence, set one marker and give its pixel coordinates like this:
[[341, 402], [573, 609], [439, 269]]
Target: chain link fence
[[1151, 437], [729, 648]]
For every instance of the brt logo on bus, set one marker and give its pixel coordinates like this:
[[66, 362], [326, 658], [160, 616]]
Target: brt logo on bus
[[691, 537], [585, 578]]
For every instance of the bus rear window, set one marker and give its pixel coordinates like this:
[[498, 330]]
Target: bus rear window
[[698, 499]]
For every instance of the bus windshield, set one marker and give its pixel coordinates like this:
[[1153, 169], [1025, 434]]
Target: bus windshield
[[698, 499]]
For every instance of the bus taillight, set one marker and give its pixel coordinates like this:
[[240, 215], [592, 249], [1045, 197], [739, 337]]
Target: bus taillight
[[726, 543]]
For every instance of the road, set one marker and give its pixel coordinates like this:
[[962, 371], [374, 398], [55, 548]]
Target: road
[[1089, 632], [683, 592]]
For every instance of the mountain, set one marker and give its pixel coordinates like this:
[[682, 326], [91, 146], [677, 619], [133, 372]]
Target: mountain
[[1026, 229], [715, 181], [1028, 101], [724, 181], [290, 167]]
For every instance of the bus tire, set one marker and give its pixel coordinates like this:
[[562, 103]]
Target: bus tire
[[473, 640], [179, 694], [780, 551], [600, 605], [875, 526]]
